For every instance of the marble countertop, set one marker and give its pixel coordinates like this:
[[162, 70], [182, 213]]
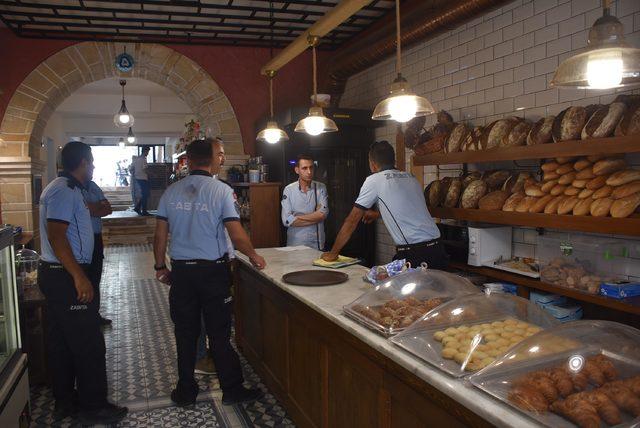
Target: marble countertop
[[328, 301]]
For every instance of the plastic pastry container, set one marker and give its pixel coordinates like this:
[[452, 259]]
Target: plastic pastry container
[[395, 304], [26, 269], [468, 333], [582, 373], [582, 263]]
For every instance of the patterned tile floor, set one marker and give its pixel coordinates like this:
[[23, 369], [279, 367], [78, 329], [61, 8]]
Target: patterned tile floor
[[141, 362]]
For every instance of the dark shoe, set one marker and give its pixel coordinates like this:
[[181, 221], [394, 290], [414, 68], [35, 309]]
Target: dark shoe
[[137, 211], [241, 395], [146, 213], [181, 401], [105, 321], [109, 414]]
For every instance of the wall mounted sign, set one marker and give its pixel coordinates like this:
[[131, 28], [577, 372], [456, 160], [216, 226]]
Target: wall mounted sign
[[124, 62]]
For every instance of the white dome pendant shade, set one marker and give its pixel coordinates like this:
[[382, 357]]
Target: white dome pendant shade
[[402, 104], [123, 119], [316, 122], [608, 62], [272, 134]]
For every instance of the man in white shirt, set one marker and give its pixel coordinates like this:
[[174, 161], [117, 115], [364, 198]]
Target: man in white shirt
[[141, 177]]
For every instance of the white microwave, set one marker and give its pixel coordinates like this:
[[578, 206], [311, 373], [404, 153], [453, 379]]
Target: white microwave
[[488, 243]]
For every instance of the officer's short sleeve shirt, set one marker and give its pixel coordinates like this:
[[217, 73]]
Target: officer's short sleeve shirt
[[92, 194]]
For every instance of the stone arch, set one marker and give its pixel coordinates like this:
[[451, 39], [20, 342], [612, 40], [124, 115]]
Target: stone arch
[[56, 78]]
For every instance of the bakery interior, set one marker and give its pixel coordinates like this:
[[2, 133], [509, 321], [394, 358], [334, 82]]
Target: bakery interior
[[521, 122]]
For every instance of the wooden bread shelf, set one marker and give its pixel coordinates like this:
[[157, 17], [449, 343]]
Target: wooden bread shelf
[[630, 305], [595, 146], [620, 226]]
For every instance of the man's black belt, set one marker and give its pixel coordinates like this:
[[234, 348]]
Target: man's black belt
[[200, 262], [418, 245], [48, 265]]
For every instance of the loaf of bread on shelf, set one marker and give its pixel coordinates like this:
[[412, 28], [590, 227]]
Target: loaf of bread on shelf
[[472, 194], [623, 177], [496, 179], [565, 169], [453, 193], [525, 204], [470, 177], [581, 164], [565, 159], [601, 207], [533, 190], [567, 178], [586, 193], [573, 121], [583, 207], [472, 142], [548, 185], [435, 193], [556, 128], [550, 166], [585, 174], [608, 166], [493, 201], [515, 184], [571, 191], [579, 184], [626, 190], [540, 132], [624, 207], [603, 192], [603, 121], [445, 183], [456, 138], [567, 205], [518, 135], [630, 122], [484, 138], [551, 175], [512, 202], [541, 203], [558, 189], [552, 206], [499, 134], [597, 182]]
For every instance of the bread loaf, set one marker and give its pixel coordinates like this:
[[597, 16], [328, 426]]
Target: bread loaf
[[496, 179], [558, 190], [456, 138], [525, 204], [548, 185], [585, 174], [572, 123], [552, 175], [608, 166], [603, 192], [518, 135], [493, 201], [472, 142], [550, 166], [499, 133], [624, 207], [571, 191], [597, 182], [435, 193], [533, 190], [541, 203], [552, 206], [563, 160], [567, 205], [512, 202], [582, 207], [470, 178], [579, 184], [601, 207], [567, 178], [556, 128], [595, 158], [630, 122], [485, 135], [472, 194], [540, 133], [623, 177], [564, 169], [521, 180], [626, 190], [585, 193], [453, 193], [433, 145], [582, 164], [603, 122]]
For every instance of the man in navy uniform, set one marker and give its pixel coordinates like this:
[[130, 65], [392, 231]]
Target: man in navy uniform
[[403, 209], [76, 344], [196, 211]]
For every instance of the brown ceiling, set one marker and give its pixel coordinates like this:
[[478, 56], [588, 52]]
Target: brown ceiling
[[210, 22]]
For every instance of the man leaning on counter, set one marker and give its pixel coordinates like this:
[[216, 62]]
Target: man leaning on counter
[[403, 209]]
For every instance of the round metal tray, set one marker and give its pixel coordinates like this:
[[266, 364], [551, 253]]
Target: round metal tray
[[315, 278]]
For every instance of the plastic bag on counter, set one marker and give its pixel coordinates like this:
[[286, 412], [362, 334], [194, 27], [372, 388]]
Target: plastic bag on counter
[[381, 273]]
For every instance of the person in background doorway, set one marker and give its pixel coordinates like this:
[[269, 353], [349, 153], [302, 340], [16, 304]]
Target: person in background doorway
[[99, 207], [196, 210], [135, 192], [403, 209], [140, 174], [76, 348], [305, 206]]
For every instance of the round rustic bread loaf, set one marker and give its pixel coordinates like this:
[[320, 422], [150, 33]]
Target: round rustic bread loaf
[[567, 205], [601, 207], [485, 135], [582, 207], [624, 207], [500, 132], [603, 192], [572, 123], [541, 203], [518, 135], [493, 201], [556, 128], [552, 206], [604, 126], [630, 122], [608, 166], [496, 179], [470, 178], [456, 138], [453, 193], [626, 190], [540, 132], [472, 194], [623, 177], [435, 193], [512, 202]]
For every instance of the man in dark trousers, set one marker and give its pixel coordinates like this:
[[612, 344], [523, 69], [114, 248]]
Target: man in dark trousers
[[76, 344], [196, 211], [142, 179], [400, 199]]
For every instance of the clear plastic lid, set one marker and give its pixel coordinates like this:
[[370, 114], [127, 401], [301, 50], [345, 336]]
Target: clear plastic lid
[[26, 255], [395, 304], [584, 373], [470, 332]]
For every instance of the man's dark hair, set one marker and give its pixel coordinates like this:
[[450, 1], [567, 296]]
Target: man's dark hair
[[382, 154], [303, 157], [146, 148], [73, 153], [200, 152]]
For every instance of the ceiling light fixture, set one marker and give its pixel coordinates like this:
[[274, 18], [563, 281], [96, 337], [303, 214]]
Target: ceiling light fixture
[[131, 138], [123, 119], [316, 122], [402, 104], [272, 133], [608, 62], [121, 143]]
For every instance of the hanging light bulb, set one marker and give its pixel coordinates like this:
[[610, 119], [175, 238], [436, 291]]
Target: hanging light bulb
[[608, 62], [272, 133], [402, 104], [131, 138], [123, 119], [121, 143], [316, 122]]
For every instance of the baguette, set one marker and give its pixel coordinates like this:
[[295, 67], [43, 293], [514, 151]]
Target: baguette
[[585, 174], [525, 204], [567, 178], [512, 202], [540, 204], [608, 166], [580, 184], [533, 190], [567, 205], [624, 207], [601, 207], [548, 185], [558, 190], [550, 166], [595, 158], [582, 207], [551, 175], [563, 160], [564, 169], [626, 190], [582, 164], [586, 193], [598, 182], [603, 192], [552, 206], [623, 177], [571, 191]]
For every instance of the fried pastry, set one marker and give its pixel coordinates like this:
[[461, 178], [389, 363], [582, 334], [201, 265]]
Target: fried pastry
[[622, 396], [581, 413], [528, 399]]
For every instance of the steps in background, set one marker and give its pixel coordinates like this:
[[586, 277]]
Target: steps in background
[[119, 197], [126, 227]]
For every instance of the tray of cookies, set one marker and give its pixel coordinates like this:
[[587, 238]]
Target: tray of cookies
[[395, 304], [469, 333], [593, 382]]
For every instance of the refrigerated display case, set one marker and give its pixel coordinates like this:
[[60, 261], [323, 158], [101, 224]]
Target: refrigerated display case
[[14, 384]]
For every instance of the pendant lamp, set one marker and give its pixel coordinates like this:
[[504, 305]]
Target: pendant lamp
[[131, 138], [316, 122], [272, 133], [402, 104], [121, 143], [123, 119], [608, 61]]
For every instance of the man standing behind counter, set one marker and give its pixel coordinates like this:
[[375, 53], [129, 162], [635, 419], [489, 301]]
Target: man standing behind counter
[[305, 206], [196, 210], [402, 207]]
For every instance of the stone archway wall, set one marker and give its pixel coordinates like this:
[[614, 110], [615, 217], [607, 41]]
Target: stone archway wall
[[60, 75]]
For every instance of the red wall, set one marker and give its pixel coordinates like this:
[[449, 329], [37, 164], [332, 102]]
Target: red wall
[[236, 70]]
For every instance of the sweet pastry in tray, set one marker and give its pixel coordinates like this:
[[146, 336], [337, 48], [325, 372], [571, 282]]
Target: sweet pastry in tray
[[398, 313]]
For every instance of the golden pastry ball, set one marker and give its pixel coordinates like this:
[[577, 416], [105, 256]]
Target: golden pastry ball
[[439, 335], [451, 331], [460, 357], [449, 353], [510, 321], [491, 337]]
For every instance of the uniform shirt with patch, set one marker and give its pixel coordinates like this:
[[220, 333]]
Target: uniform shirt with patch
[[402, 206], [196, 209], [62, 201], [295, 202], [93, 194]]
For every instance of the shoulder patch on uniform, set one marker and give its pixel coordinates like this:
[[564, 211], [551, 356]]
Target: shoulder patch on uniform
[[284, 196]]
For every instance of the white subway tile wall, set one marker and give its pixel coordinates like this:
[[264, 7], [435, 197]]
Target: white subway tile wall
[[496, 65]]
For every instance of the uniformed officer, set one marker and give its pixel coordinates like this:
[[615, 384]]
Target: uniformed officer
[[403, 209], [196, 211], [76, 344], [305, 206], [99, 207]]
